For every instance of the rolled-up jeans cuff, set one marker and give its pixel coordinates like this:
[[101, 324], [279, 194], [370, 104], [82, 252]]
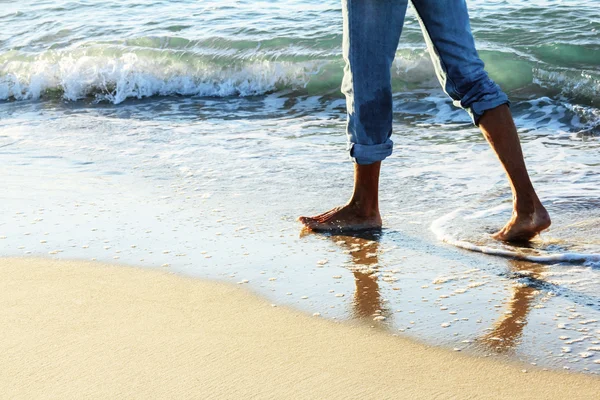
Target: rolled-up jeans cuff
[[364, 154], [477, 109], [484, 95]]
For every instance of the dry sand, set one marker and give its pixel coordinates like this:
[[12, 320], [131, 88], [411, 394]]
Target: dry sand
[[88, 330]]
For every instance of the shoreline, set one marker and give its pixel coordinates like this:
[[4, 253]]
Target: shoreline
[[113, 199], [87, 329]]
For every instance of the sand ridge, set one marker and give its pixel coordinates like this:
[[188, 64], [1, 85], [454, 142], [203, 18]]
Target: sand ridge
[[75, 329]]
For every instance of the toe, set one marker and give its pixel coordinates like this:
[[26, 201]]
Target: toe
[[304, 220], [322, 214], [328, 215], [308, 222], [312, 225]]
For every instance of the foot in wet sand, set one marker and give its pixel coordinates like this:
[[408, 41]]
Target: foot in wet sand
[[524, 226], [351, 217], [362, 210]]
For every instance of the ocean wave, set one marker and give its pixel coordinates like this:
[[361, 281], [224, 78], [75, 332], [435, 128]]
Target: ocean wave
[[580, 84], [116, 73], [134, 75]]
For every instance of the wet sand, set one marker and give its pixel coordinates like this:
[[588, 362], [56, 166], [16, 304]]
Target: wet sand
[[88, 330], [105, 184]]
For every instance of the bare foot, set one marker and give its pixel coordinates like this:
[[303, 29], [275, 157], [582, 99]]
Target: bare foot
[[350, 217], [523, 227]]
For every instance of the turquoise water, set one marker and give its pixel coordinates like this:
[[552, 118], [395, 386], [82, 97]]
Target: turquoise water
[[113, 50], [191, 134]]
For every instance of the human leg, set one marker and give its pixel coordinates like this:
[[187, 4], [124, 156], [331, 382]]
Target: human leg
[[447, 31], [529, 215], [371, 32]]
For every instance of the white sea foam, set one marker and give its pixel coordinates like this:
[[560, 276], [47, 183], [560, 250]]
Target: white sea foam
[[130, 75], [440, 228]]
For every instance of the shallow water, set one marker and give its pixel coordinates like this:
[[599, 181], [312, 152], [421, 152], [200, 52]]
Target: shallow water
[[194, 139]]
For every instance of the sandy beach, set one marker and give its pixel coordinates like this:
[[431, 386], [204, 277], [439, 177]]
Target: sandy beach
[[75, 329], [156, 158]]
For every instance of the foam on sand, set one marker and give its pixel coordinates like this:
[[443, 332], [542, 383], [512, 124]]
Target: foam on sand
[[89, 330]]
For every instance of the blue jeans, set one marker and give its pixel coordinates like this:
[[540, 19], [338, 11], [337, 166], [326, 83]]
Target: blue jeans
[[371, 33]]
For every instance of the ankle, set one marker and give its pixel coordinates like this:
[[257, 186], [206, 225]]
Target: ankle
[[364, 206], [526, 206], [365, 199]]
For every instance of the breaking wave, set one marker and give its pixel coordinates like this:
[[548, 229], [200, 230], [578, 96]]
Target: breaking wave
[[116, 73]]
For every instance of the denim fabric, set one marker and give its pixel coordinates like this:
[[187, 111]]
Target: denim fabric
[[372, 30]]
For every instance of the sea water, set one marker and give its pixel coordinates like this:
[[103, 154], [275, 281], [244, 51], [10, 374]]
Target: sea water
[[191, 134]]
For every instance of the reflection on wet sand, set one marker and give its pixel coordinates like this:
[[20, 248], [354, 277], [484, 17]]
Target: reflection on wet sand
[[363, 248], [507, 331]]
